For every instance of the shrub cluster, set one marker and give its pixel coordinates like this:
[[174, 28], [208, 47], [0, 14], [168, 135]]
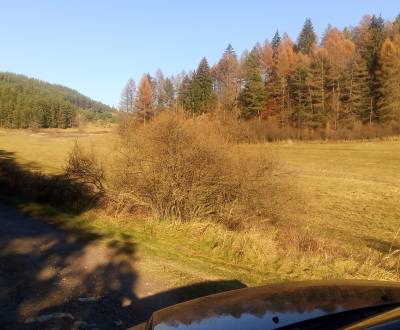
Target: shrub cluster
[[187, 168]]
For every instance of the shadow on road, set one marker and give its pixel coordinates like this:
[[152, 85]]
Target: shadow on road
[[44, 271]]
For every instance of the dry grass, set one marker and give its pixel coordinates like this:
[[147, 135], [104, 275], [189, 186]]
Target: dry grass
[[346, 230]]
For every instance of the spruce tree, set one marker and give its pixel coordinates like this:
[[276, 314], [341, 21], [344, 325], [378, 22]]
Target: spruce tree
[[253, 96], [307, 37], [201, 89], [276, 41], [358, 93]]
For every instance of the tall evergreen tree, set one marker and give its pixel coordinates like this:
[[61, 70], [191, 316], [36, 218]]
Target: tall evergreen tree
[[201, 89], [359, 92], [307, 37], [253, 96], [229, 51], [276, 41]]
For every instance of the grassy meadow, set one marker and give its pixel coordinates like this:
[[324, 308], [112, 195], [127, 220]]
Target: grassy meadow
[[351, 192]]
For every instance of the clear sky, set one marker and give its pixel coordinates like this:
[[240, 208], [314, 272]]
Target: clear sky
[[95, 46]]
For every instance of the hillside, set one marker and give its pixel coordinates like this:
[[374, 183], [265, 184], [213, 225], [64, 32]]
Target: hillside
[[27, 102]]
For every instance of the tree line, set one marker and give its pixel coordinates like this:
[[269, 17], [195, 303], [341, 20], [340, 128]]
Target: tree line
[[26, 102], [350, 77]]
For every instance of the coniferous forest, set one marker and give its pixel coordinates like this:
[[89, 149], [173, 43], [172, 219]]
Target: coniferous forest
[[346, 80], [31, 103]]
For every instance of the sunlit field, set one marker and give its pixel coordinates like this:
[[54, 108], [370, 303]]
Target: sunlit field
[[351, 192]]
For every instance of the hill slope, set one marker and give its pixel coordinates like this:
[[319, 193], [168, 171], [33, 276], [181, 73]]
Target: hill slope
[[27, 102]]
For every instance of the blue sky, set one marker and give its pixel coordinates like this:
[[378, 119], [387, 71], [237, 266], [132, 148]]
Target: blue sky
[[95, 46]]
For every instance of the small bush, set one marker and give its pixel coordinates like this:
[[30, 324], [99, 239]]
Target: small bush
[[56, 190], [85, 168]]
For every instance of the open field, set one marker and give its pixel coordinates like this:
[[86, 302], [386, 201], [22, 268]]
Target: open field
[[352, 194]]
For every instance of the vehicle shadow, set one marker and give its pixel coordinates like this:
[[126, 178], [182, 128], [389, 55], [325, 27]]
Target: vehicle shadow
[[51, 279]]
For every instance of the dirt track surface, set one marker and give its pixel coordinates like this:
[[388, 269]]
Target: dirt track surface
[[51, 280]]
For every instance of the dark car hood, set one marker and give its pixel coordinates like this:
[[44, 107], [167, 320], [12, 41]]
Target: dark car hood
[[275, 305]]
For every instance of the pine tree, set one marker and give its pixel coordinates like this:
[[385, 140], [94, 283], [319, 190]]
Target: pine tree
[[127, 101], [307, 37], [253, 97]]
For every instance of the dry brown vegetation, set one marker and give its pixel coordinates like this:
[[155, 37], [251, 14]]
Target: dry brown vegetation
[[187, 168], [255, 131], [253, 227]]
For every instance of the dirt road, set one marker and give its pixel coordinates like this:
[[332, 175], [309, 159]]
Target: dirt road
[[51, 280]]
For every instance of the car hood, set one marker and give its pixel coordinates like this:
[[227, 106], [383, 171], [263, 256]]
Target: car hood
[[274, 306]]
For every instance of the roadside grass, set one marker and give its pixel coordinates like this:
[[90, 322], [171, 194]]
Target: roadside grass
[[212, 251], [350, 228]]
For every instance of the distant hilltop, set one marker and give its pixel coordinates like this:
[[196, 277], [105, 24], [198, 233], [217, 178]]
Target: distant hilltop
[[27, 102]]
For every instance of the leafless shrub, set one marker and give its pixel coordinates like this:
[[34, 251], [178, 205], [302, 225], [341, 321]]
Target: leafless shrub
[[186, 168], [85, 168]]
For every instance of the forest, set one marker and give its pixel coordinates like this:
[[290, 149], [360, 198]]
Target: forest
[[346, 84], [31, 103]]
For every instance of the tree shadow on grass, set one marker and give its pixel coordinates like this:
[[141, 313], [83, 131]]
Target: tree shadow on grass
[[26, 182], [44, 270]]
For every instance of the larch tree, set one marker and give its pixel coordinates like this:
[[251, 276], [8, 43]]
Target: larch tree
[[307, 37], [301, 114], [184, 96], [144, 99], [159, 91], [340, 54], [169, 93], [389, 79], [284, 68], [127, 102], [227, 81], [316, 81]]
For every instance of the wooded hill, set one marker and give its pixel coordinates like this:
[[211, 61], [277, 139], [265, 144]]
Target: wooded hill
[[27, 102]]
